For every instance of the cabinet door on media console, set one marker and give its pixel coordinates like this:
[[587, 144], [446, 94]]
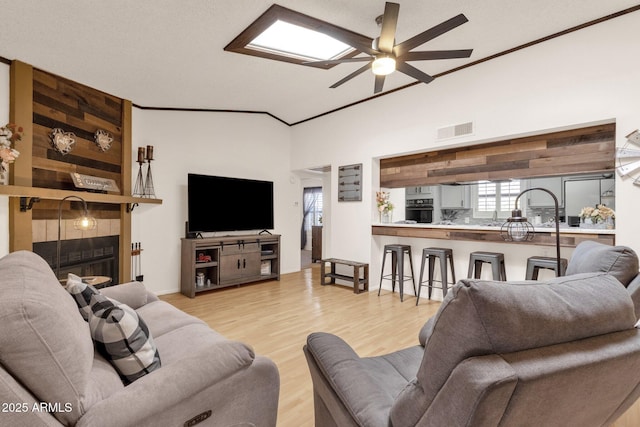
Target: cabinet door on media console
[[239, 262]]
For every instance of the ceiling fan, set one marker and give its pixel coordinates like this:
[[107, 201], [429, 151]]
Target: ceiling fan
[[384, 56]]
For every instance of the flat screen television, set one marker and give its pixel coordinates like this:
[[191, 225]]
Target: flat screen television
[[217, 203]]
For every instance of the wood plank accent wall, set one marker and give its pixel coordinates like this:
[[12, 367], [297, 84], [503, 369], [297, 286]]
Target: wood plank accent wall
[[41, 101], [61, 103], [73, 107], [584, 150]]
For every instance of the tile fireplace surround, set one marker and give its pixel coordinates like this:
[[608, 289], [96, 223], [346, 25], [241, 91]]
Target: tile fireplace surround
[[47, 230]]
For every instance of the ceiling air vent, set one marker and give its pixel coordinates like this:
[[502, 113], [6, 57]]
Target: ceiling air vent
[[455, 130]]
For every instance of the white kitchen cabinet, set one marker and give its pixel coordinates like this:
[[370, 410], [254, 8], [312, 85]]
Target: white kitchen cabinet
[[540, 199], [455, 197], [425, 191]]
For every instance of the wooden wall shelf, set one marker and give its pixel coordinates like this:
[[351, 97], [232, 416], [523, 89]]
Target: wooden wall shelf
[[54, 194]]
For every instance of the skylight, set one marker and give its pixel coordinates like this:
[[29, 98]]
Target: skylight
[[292, 40], [285, 35]]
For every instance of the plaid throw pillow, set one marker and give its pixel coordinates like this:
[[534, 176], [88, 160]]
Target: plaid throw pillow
[[82, 293], [123, 338]]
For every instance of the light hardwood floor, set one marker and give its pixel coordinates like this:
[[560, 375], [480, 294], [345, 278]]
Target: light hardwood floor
[[276, 317]]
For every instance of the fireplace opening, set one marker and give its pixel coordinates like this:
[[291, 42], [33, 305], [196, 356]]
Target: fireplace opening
[[96, 256]]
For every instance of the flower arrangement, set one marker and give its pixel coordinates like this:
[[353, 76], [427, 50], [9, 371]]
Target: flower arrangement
[[384, 205], [598, 214], [9, 135]]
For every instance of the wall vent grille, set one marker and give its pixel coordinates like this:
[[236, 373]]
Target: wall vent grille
[[455, 130]]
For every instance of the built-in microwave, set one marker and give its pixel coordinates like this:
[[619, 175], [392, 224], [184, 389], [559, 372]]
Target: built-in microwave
[[419, 210]]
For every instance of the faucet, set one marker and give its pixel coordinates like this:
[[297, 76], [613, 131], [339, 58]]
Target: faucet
[[495, 215]]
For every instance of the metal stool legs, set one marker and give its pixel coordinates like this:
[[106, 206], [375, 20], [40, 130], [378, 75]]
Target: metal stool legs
[[496, 259], [429, 256], [535, 263], [397, 268]]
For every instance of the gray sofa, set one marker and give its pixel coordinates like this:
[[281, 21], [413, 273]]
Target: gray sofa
[[51, 375], [559, 353]]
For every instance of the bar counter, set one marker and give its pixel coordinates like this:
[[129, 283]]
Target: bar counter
[[544, 236]]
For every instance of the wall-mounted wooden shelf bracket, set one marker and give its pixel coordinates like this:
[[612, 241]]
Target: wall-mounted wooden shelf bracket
[[27, 205]]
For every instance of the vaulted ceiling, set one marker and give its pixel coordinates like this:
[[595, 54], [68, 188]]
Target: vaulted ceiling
[[170, 53]]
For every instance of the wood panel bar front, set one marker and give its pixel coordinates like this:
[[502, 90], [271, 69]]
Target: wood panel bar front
[[568, 239]]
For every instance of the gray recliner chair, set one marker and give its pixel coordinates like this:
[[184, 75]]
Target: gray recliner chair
[[565, 353], [619, 261]]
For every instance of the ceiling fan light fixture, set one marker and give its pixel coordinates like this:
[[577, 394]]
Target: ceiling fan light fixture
[[383, 66]]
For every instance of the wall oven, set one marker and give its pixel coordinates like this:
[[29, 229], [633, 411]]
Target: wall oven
[[419, 210]]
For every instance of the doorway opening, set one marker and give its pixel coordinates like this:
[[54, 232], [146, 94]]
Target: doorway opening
[[311, 230], [314, 185]]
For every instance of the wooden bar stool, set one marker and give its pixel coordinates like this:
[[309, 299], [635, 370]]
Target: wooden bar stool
[[535, 263], [496, 259], [397, 268], [429, 256]]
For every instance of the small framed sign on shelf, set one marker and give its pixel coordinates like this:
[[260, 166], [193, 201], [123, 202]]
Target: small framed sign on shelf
[[350, 183]]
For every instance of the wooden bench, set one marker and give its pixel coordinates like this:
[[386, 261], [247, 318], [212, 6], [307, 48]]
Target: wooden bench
[[355, 278]]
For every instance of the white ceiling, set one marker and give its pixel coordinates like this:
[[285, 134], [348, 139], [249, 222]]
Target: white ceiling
[[169, 53]]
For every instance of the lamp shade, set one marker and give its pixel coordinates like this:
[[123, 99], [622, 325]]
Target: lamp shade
[[517, 228], [383, 65], [84, 223]]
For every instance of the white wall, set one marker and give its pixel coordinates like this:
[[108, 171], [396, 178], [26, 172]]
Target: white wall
[[225, 144], [585, 77], [4, 118]]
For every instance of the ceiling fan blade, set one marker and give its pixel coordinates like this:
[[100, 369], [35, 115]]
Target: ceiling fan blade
[[338, 61], [389, 24], [436, 54], [429, 34], [379, 84], [355, 40], [414, 72], [352, 75]]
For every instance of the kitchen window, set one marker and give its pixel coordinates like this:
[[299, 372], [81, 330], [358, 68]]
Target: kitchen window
[[495, 197]]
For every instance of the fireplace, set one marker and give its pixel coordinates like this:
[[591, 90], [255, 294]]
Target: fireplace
[[96, 256]]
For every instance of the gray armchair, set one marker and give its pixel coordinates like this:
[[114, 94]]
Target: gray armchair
[[564, 354]]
